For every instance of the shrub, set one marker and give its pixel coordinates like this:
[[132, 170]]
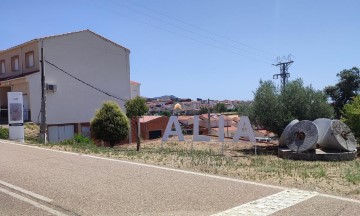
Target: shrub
[[4, 133], [78, 138], [351, 116], [110, 124]]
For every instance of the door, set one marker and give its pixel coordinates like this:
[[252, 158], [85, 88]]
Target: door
[[155, 134], [58, 133]]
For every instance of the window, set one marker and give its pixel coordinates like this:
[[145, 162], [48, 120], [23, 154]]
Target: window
[[2, 66], [29, 59], [15, 63]]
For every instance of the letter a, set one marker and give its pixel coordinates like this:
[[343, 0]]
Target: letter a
[[168, 131], [244, 129]]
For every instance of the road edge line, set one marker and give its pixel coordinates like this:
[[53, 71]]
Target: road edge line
[[181, 171]]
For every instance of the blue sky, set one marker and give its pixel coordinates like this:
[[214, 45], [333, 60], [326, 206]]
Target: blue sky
[[217, 49]]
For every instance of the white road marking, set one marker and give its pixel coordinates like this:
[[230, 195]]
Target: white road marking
[[22, 190], [177, 170], [36, 204], [270, 204], [339, 198]]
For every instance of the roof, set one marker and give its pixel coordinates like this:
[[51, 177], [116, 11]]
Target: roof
[[266, 133], [65, 34], [133, 82], [215, 117], [231, 128], [185, 117], [18, 76], [188, 120], [233, 116], [145, 119]]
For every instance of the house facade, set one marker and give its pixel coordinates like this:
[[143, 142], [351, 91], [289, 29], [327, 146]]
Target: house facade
[[135, 89], [82, 70]]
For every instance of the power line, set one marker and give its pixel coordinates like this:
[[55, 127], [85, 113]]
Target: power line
[[201, 29], [188, 30], [198, 41], [88, 84], [255, 56]]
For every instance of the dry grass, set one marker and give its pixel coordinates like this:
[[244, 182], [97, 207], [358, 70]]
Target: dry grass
[[239, 161], [31, 131]]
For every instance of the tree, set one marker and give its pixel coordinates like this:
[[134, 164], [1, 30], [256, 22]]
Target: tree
[[110, 124], [348, 86], [273, 108], [244, 109], [220, 108], [351, 116], [267, 110], [135, 108], [318, 106], [165, 113], [204, 110], [305, 103]]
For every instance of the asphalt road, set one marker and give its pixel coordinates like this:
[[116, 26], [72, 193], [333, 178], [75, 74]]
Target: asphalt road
[[35, 181]]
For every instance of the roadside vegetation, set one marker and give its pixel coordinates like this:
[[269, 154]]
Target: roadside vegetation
[[238, 161], [110, 124], [272, 108], [4, 133]]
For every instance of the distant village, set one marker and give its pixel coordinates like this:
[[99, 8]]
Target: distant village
[[152, 126], [166, 104]]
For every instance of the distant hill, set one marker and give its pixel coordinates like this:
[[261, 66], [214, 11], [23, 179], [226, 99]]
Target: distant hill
[[167, 97]]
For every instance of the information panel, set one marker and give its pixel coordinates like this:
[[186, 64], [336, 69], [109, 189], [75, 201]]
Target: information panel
[[15, 115]]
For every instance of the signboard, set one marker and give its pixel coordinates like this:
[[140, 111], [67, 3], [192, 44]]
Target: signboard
[[244, 129], [15, 115]]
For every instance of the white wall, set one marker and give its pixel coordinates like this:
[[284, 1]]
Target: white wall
[[135, 90], [93, 60], [34, 81]]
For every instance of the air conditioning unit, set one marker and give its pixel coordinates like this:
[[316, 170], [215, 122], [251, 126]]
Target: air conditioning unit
[[51, 87]]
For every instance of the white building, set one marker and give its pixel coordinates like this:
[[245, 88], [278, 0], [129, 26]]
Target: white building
[[134, 89], [82, 70]]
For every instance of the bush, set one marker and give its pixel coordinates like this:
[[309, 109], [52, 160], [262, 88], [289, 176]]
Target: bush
[[4, 133], [110, 124], [351, 116], [78, 141], [78, 138]]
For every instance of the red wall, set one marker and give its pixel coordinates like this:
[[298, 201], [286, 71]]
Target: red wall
[[156, 124]]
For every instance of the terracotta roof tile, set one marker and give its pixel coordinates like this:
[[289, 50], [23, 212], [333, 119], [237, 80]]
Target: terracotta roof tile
[[145, 119], [133, 82]]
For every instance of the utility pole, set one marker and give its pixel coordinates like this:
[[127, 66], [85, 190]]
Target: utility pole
[[284, 65], [43, 126], [209, 127]]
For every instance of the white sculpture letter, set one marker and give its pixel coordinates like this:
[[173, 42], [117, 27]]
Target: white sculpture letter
[[177, 132], [244, 129], [221, 129]]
